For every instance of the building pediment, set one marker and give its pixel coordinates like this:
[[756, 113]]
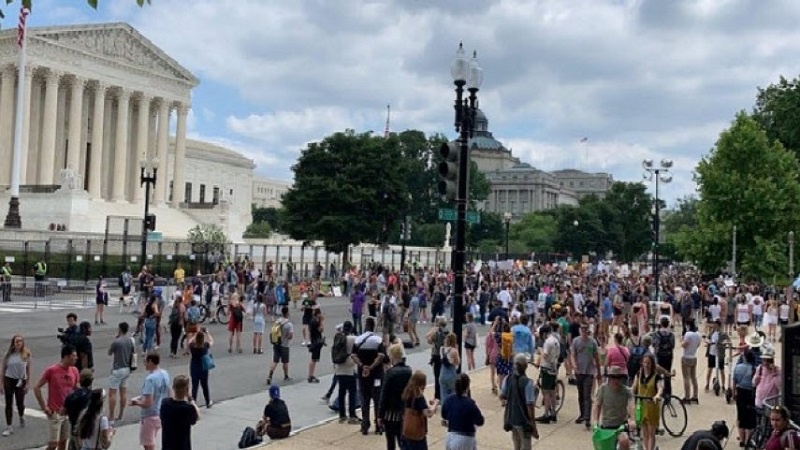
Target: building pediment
[[118, 43]]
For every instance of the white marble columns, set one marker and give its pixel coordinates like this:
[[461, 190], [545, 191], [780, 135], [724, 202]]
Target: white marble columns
[[78, 122], [178, 191]]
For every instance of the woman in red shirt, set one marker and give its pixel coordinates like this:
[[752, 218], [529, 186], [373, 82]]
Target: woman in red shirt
[[617, 354]]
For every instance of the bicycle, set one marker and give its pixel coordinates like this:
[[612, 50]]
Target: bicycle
[[221, 314], [763, 430], [560, 389], [674, 416], [606, 439]]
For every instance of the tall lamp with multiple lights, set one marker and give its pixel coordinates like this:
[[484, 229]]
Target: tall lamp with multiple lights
[[507, 220], [467, 73], [660, 174], [147, 178]]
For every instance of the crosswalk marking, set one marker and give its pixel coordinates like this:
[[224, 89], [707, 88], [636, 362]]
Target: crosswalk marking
[[44, 305]]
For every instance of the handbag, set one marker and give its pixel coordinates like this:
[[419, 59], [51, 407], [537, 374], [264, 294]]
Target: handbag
[[413, 423], [208, 362], [134, 364], [103, 442]]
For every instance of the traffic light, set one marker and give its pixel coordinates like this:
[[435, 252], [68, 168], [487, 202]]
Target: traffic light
[[448, 171], [150, 222]]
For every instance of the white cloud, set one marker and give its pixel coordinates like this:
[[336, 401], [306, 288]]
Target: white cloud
[[640, 78]]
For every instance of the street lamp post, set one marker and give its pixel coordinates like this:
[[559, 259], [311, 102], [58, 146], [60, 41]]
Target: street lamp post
[[659, 174], [791, 256], [147, 178], [507, 219], [465, 73]]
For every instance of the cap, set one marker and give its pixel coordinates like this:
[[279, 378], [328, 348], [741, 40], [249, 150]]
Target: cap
[[274, 391]]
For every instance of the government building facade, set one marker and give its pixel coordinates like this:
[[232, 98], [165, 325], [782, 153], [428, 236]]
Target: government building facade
[[517, 187], [98, 99]]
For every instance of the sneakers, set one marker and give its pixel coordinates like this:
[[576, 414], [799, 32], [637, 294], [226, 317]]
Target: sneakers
[[22, 422], [325, 398], [8, 431], [354, 421], [209, 405], [313, 380], [342, 419]]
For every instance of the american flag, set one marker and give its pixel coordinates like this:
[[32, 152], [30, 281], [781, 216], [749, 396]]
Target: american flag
[[586, 139], [23, 17]]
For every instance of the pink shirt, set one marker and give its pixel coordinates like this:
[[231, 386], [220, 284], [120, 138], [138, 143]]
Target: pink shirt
[[60, 382], [768, 383], [618, 355]]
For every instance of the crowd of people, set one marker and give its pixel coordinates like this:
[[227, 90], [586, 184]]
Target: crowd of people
[[611, 336]]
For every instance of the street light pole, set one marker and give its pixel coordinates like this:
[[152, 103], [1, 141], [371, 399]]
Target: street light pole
[[147, 178], [791, 256], [467, 74], [507, 219], [661, 174]]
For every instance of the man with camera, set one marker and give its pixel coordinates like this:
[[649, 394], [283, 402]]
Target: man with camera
[[67, 335]]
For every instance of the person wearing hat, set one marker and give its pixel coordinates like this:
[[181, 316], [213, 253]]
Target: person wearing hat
[[768, 378], [614, 406], [275, 422]]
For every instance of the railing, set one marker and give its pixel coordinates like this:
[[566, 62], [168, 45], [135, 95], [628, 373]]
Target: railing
[[198, 205]]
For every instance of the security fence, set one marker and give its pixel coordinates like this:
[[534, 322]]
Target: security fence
[[76, 260]]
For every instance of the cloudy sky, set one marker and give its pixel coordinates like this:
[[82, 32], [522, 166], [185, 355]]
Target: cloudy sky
[[638, 78]]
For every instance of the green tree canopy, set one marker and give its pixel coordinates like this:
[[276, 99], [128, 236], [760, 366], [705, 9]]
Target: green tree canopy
[[777, 112], [347, 190], [754, 184], [208, 237], [258, 230]]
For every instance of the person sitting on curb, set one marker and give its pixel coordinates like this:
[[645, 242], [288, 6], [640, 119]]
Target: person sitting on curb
[[275, 422]]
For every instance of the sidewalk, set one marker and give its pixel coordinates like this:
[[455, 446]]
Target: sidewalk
[[563, 435]]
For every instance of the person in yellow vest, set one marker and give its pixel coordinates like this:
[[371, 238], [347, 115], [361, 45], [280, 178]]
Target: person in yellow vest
[[39, 274], [180, 276], [5, 281]]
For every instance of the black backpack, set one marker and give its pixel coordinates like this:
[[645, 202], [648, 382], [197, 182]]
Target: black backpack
[[75, 402], [339, 348], [635, 359], [666, 343], [249, 438], [389, 312]]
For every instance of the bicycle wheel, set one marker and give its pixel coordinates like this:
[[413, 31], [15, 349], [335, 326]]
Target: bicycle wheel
[[203, 313], [222, 314], [673, 416], [560, 394]]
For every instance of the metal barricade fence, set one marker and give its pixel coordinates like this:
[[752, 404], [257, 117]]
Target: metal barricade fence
[[46, 294]]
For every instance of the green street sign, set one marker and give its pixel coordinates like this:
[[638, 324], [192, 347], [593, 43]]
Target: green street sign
[[450, 215]]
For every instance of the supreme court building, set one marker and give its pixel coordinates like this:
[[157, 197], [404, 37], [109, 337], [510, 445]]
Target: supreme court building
[[98, 98]]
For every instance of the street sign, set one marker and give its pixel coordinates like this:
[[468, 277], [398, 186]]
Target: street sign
[[450, 215], [154, 236]]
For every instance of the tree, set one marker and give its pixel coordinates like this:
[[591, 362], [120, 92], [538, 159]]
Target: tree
[[208, 237], [754, 184], [93, 3], [535, 231], [347, 190], [258, 230], [679, 224], [270, 215], [627, 221], [777, 112]]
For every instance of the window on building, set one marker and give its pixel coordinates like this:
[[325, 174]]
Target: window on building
[[170, 190], [215, 198], [202, 193], [188, 193]]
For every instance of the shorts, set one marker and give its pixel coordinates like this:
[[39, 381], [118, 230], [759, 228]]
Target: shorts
[[119, 378], [784, 321], [280, 354], [716, 362], [469, 346], [126, 290], [148, 430], [743, 324], [729, 320], [316, 351], [99, 301], [58, 428], [548, 380], [306, 319]]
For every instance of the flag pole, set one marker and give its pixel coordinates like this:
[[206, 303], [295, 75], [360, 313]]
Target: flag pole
[[13, 219]]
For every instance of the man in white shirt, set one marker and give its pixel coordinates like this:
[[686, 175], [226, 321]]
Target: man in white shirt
[[690, 343], [504, 297], [577, 300]]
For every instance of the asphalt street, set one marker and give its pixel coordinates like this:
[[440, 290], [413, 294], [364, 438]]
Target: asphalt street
[[236, 375]]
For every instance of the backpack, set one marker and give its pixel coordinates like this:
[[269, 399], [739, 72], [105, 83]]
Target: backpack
[[249, 438], [237, 314], [506, 346], [276, 332], [666, 343], [75, 402], [174, 316], [788, 439], [339, 348], [635, 360], [193, 315], [389, 312], [438, 341]]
